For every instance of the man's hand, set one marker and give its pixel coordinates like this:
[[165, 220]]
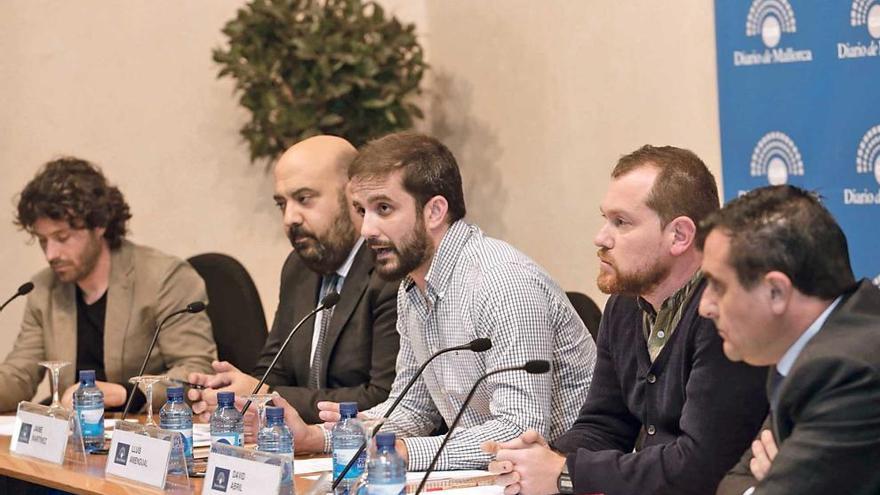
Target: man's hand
[[525, 465], [114, 394], [309, 438], [227, 378], [764, 451]]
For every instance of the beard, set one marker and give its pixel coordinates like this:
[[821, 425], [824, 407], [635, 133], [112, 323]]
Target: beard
[[635, 283], [326, 253], [82, 266], [405, 257]]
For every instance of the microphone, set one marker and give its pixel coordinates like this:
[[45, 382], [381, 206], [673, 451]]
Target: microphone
[[24, 289], [535, 367], [193, 307], [328, 302], [476, 345]]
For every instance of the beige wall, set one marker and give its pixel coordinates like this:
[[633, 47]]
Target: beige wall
[[536, 99]]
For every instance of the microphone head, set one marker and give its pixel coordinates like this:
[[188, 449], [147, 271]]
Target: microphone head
[[195, 307], [480, 345], [25, 288], [330, 299], [537, 366]]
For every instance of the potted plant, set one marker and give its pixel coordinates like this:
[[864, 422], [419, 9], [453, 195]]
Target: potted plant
[[309, 67]]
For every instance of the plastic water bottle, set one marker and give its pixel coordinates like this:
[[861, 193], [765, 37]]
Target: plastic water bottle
[[226, 423], [347, 437], [176, 416], [88, 402], [276, 438], [386, 472]]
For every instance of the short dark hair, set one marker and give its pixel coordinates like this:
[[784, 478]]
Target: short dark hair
[[429, 168], [684, 186], [785, 229], [74, 190]]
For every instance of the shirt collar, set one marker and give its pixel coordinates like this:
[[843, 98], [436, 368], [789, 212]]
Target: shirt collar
[[784, 365], [445, 258], [675, 300]]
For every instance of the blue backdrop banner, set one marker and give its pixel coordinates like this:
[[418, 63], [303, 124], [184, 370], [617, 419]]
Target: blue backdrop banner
[[799, 102]]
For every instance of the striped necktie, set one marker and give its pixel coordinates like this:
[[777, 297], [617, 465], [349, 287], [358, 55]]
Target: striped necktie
[[328, 285]]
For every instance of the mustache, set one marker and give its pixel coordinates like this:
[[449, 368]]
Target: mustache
[[377, 244], [298, 231], [602, 253]]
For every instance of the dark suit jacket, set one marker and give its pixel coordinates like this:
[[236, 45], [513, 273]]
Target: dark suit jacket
[[827, 423], [696, 409], [360, 348]]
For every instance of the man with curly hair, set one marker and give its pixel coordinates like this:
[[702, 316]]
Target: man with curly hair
[[98, 303]]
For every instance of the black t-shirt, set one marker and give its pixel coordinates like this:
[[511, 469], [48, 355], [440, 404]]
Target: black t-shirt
[[90, 343], [90, 335]]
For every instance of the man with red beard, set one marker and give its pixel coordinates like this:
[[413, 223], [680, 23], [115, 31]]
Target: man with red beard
[[667, 412], [348, 352], [458, 285]]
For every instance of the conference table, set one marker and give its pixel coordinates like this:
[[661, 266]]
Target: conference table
[[89, 478]]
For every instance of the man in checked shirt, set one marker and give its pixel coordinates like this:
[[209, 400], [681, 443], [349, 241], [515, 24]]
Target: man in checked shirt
[[458, 285]]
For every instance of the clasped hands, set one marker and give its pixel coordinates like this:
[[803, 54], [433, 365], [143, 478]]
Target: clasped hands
[[525, 465]]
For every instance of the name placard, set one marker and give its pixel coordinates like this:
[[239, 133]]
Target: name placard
[[43, 437], [228, 474], [139, 458]]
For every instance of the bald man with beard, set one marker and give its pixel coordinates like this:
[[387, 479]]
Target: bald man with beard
[[346, 353]]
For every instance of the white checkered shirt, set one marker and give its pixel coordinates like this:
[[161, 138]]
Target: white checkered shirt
[[481, 287]]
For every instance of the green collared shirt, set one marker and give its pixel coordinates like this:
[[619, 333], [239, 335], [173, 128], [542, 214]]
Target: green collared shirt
[[658, 326]]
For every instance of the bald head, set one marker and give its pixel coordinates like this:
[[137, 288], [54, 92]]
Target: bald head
[[310, 180], [320, 155]]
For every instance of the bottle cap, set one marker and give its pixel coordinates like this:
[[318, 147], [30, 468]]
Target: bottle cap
[[174, 393], [386, 439], [225, 398], [87, 375], [274, 413], [348, 409]]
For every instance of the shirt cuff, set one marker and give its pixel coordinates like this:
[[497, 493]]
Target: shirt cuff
[[420, 451], [328, 440]]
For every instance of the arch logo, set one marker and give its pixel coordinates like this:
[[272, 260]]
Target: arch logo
[[776, 157], [864, 16], [770, 20], [867, 162]]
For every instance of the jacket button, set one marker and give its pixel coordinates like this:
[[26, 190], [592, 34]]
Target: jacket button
[[652, 378], [651, 430]]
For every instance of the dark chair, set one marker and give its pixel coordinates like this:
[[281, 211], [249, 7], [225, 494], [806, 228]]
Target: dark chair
[[587, 310], [234, 308]]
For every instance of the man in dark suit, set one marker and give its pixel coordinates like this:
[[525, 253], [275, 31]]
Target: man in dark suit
[[666, 412], [782, 293], [347, 353]]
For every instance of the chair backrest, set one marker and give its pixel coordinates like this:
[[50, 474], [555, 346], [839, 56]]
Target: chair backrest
[[588, 310], [234, 308]]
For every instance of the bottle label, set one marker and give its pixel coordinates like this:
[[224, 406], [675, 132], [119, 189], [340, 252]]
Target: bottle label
[[229, 438], [187, 439], [385, 489], [341, 457], [91, 421]]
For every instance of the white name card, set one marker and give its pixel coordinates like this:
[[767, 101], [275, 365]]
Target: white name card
[[39, 436], [227, 474], [139, 458]]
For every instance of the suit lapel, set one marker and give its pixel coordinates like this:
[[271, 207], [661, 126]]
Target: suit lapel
[[306, 291], [120, 295], [63, 331], [353, 288]]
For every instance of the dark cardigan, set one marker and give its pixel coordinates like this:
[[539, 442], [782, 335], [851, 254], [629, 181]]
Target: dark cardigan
[[696, 410]]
